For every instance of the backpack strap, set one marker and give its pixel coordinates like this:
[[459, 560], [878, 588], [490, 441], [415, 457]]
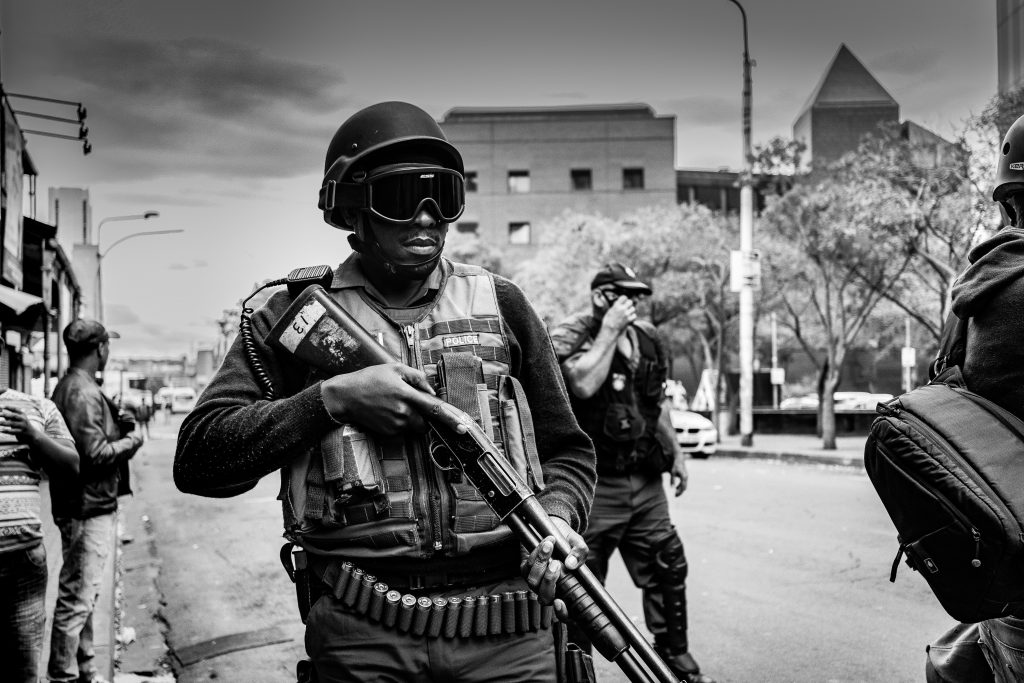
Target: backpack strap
[[952, 346]]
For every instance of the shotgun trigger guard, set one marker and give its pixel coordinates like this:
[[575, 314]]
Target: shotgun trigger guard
[[440, 453]]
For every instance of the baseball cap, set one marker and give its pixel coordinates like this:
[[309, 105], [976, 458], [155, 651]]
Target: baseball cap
[[83, 332], [621, 277]]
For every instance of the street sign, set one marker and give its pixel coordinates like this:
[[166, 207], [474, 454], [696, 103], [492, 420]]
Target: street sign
[[778, 375], [744, 270], [908, 357]]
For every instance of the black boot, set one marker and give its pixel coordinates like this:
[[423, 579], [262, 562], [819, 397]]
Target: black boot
[[685, 667]]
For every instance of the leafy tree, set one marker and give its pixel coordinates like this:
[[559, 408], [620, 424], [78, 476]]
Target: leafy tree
[[943, 214], [681, 251], [468, 248], [829, 257]]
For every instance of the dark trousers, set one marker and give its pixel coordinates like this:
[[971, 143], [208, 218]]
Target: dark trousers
[[349, 648], [22, 613], [630, 514]]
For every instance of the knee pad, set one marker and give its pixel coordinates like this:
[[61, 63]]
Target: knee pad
[[670, 560]]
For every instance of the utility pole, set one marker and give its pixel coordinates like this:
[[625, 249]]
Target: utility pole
[[748, 256]]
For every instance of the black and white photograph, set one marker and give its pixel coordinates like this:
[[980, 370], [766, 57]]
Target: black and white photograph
[[572, 341]]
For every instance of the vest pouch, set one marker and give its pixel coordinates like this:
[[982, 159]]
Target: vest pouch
[[517, 431], [353, 476], [650, 382], [623, 423]]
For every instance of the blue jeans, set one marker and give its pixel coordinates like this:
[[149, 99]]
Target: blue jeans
[[1002, 641], [22, 612], [86, 543]]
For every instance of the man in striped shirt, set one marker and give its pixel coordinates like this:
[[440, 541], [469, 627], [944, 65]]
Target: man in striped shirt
[[33, 438]]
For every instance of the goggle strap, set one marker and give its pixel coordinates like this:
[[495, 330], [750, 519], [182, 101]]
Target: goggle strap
[[343, 195]]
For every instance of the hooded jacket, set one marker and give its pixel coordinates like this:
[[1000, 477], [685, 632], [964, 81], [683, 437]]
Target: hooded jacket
[[990, 292]]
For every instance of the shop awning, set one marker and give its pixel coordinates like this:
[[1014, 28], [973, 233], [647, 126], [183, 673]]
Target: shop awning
[[17, 301]]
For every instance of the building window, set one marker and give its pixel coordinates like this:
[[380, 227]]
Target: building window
[[467, 227], [582, 179], [471, 181], [519, 233], [632, 179], [518, 182]]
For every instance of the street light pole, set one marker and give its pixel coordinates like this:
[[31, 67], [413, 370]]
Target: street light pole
[[747, 249], [133, 217], [144, 216]]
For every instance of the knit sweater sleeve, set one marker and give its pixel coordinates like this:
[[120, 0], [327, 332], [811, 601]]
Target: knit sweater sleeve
[[566, 452], [234, 436]]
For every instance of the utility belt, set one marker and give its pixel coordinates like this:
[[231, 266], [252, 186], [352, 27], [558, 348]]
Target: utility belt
[[468, 616]]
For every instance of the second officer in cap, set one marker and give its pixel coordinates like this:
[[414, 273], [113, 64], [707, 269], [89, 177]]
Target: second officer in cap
[[615, 367]]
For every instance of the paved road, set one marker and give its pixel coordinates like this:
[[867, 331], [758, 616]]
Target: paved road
[[788, 580]]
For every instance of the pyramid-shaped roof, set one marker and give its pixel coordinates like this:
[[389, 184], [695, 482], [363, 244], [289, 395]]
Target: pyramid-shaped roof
[[847, 83]]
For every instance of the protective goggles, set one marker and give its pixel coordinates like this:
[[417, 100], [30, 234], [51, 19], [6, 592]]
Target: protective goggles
[[399, 194]]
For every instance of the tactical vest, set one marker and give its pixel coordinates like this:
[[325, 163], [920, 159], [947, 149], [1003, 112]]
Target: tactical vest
[[622, 416], [366, 495]]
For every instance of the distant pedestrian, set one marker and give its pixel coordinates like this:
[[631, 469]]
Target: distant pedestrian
[[142, 416], [85, 508], [33, 438]]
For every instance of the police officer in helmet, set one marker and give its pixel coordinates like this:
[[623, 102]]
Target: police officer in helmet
[[412, 577], [615, 367]]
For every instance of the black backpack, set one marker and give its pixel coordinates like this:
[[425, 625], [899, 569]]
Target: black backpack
[[948, 465]]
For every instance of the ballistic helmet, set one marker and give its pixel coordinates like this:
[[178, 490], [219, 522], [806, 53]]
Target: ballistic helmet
[[1010, 167], [381, 134]]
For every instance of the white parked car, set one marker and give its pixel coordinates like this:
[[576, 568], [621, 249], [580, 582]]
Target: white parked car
[[695, 433], [843, 400]]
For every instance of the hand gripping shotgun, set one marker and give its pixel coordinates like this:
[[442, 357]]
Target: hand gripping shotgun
[[319, 332]]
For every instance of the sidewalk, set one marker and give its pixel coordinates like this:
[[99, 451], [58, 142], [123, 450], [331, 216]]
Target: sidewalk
[[796, 448]]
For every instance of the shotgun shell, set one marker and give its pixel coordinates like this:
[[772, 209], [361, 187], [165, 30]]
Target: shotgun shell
[[405, 611], [352, 590], [494, 615], [344, 577], [546, 614], [421, 616], [467, 616], [508, 612], [481, 621], [522, 612], [376, 608], [534, 603], [362, 605], [440, 606], [391, 602], [451, 616]]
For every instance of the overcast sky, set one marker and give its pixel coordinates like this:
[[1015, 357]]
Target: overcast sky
[[217, 113]]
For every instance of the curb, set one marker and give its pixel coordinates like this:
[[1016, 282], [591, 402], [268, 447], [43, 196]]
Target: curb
[[838, 459]]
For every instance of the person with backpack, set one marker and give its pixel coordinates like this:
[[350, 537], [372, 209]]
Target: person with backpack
[[989, 296]]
